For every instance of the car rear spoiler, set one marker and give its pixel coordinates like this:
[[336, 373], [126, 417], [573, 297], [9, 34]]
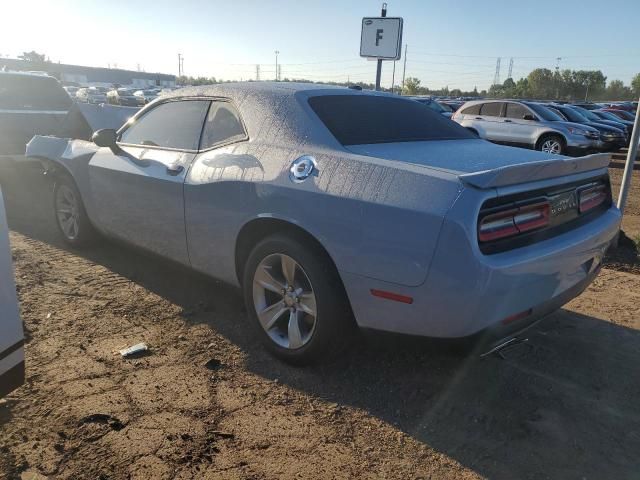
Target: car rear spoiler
[[532, 171]]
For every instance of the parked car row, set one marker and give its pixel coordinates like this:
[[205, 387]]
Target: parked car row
[[550, 127], [115, 96]]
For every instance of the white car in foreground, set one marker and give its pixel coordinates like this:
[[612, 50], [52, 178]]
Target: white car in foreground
[[11, 333]]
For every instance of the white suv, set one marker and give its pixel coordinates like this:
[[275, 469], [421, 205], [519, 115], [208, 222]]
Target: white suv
[[527, 124]]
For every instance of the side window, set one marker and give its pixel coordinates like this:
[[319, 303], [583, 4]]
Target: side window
[[515, 110], [472, 110], [492, 109], [223, 125], [174, 124]]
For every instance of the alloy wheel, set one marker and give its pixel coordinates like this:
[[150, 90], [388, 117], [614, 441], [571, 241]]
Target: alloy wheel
[[67, 212], [284, 301], [551, 146]]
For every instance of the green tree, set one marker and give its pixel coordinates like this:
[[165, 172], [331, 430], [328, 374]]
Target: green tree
[[32, 57], [541, 83], [635, 85], [616, 90], [411, 86]]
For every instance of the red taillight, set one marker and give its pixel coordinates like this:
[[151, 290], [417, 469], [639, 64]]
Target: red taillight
[[592, 197], [513, 221]]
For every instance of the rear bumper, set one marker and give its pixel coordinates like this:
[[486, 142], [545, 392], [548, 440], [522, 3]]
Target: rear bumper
[[467, 292], [12, 379]]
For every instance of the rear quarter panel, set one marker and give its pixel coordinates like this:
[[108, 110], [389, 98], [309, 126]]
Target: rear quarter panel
[[376, 218]]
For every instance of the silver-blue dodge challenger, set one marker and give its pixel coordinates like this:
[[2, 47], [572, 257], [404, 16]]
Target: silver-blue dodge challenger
[[333, 207]]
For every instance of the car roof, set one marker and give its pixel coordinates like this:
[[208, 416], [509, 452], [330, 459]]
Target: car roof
[[42, 75], [265, 104]]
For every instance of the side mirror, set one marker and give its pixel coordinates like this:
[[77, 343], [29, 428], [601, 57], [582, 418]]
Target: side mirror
[[106, 137], [528, 116]]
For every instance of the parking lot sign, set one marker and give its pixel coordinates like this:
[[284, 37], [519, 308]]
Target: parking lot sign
[[381, 38]]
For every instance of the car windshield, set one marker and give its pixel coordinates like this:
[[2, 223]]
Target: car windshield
[[125, 93], [545, 113], [588, 114], [367, 119], [626, 115], [572, 114], [608, 116]]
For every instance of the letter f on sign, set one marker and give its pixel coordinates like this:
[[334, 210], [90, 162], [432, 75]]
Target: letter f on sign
[[378, 36]]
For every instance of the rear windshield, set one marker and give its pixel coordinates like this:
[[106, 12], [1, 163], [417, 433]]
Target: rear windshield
[[31, 92], [366, 119]]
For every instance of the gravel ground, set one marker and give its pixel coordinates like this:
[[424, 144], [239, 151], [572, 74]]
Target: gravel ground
[[207, 402]]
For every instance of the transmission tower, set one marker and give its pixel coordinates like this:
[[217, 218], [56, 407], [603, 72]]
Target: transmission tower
[[496, 77], [257, 73], [510, 68]]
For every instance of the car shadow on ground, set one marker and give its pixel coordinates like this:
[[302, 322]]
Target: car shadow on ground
[[567, 398]]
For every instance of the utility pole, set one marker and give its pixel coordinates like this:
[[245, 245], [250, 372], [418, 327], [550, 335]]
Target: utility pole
[[257, 72], [179, 65], [277, 52], [379, 67], [586, 94], [404, 68], [279, 72], [631, 158], [510, 68]]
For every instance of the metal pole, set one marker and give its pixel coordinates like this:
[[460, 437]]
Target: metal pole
[[586, 95], [179, 66], [631, 158], [393, 77], [277, 52], [404, 69], [379, 67]]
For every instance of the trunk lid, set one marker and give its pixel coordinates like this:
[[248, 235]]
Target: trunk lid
[[483, 164]]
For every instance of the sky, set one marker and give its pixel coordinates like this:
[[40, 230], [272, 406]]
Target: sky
[[452, 43]]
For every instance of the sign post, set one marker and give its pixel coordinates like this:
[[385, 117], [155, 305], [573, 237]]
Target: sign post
[[381, 39], [631, 158]]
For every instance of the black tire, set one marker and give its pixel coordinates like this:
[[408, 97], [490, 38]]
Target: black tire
[[557, 139], [334, 324], [84, 232]]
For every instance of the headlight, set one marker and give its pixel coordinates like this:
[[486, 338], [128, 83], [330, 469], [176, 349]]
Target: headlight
[[578, 131]]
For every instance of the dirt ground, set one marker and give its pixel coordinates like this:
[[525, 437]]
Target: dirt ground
[[208, 402]]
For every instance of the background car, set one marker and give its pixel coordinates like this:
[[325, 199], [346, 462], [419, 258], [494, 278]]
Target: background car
[[621, 114], [71, 90], [612, 138], [216, 178], [527, 124], [433, 105], [148, 95], [124, 97], [34, 104], [95, 95], [603, 114]]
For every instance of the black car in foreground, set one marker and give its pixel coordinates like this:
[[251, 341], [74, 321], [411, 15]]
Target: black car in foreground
[[35, 104]]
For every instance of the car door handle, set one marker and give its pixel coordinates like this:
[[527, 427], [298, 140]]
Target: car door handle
[[479, 118], [507, 121], [175, 169]]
